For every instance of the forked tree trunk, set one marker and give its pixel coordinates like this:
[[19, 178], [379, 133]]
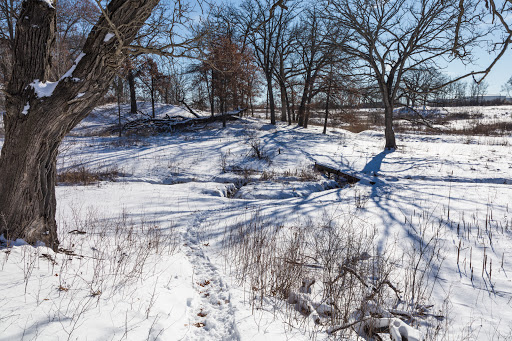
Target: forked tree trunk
[[387, 99], [36, 123], [308, 112]]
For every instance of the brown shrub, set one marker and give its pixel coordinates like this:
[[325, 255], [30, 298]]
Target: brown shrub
[[84, 176]]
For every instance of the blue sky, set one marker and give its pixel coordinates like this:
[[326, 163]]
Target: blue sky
[[501, 72]]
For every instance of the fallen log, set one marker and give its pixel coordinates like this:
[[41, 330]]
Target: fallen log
[[329, 170], [177, 122]]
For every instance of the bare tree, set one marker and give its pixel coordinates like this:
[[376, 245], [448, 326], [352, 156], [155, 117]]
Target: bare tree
[[391, 37], [262, 23], [314, 37], [150, 75], [285, 68], [420, 84], [507, 87], [477, 91]]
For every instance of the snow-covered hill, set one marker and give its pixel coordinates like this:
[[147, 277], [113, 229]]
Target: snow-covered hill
[[155, 254]]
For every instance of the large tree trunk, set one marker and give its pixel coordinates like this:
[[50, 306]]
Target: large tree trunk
[[388, 101], [283, 103], [36, 123], [133, 98], [389, 132], [282, 86], [304, 100]]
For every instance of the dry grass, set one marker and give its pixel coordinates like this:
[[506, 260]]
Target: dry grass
[[303, 173], [484, 129], [318, 273], [84, 176], [349, 119]]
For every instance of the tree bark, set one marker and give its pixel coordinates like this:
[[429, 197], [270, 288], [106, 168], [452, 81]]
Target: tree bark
[[283, 103], [272, 104], [282, 86], [133, 98], [389, 132], [35, 124], [304, 99]]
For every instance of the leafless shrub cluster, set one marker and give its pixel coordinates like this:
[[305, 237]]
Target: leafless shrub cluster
[[98, 258], [85, 176], [257, 148], [328, 275]]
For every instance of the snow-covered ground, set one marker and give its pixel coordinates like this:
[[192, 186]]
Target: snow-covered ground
[[147, 255]]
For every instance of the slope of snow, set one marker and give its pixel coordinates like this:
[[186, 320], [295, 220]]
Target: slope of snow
[[191, 187]]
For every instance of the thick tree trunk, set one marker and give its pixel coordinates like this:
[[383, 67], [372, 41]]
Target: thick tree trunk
[[283, 103], [389, 132], [304, 99], [133, 98], [27, 187], [36, 123], [282, 86]]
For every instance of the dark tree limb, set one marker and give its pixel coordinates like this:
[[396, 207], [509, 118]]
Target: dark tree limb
[[189, 108]]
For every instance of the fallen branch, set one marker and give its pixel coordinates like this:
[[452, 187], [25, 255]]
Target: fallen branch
[[175, 122], [189, 108], [421, 120], [329, 170]]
